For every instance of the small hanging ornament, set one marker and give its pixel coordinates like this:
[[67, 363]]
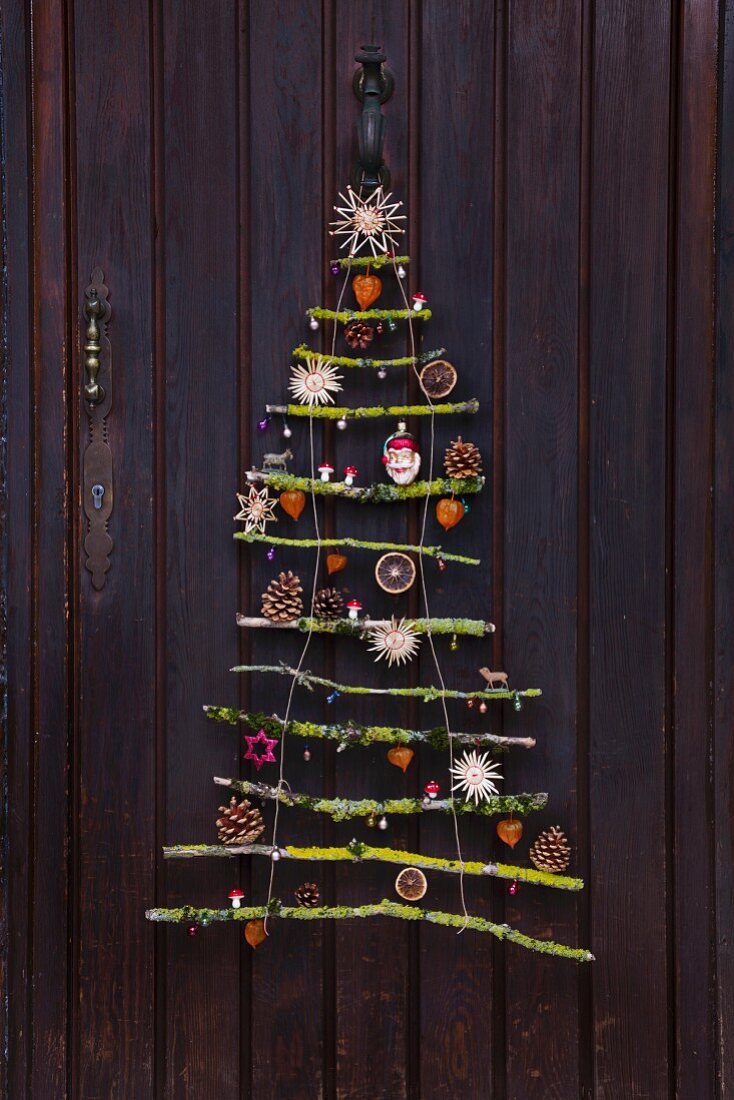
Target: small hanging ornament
[[255, 933], [391, 324], [263, 424], [462, 459], [382, 373], [260, 758], [470, 703], [401, 457], [382, 823], [441, 565], [401, 272], [293, 501], [307, 754], [341, 424], [400, 756], [513, 888], [437, 379], [397, 640], [449, 512], [367, 289], [358, 334], [517, 701], [314, 383], [411, 884], [287, 431], [281, 602], [379, 327], [313, 324], [335, 563], [270, 555], [475, 775], [454, 643], [371, 820], [335, 267], [395, 573], [551, 851], [256, 510], [509, 830], [192, 929], [369, 222], [333, 696], [307, 895], [482, 707], [240, 823]]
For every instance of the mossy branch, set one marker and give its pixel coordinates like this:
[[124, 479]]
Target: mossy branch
[[344, 316], [308, 680], [348, 262], [356, 852], [187, 914], [343, 809], [352, 628], [303, 351], [353, 734], [356, 544], [370, 494], [372, 412]]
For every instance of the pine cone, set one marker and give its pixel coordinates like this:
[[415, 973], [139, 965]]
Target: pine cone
[[551, 851], [462, 459], [282, 603], [307, 895], [240, 822], [358, 334], [328, 604]]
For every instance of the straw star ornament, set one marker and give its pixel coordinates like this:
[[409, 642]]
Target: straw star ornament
[[474, 774], [314, 383], [370, 222], [256, 510]]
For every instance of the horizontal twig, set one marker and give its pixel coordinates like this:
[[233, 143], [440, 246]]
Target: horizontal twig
[[303, 351], [353, 734], [377, 262], [356, 852], [188, 914], [356, 544], [308, 680], [343, 809], [343, 316], [370, 494], [372, 412], [476, 628]]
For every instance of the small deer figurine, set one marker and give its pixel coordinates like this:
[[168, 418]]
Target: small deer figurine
[[277, 461], [495, 679]]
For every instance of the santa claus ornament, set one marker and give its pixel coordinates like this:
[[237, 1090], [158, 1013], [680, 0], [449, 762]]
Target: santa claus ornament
[[401, 457]]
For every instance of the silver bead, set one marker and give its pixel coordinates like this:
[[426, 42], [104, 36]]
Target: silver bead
[[275, 855], [313, 324], [341, 424], [287, 432], [382, 823]]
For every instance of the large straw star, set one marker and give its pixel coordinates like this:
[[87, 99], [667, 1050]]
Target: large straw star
[[265, 757]]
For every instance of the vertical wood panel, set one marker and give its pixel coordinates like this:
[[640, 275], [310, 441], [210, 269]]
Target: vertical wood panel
[[692, 612], [200, 417], [453, 265], [18, 577], [51, 714], [628, 388], [115, 748], [723, 758], [541, 509], [285, 174]]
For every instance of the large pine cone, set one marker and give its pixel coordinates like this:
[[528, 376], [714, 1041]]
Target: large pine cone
[[240, 822], [328, 604], [358, 334], [282, 603], [307, 895], [462, 459], [551, 851]]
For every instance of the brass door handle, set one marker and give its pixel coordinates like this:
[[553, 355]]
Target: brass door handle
[[97, 490], [93, 392]]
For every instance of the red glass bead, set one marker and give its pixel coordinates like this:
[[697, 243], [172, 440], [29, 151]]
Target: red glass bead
[[513, 888]]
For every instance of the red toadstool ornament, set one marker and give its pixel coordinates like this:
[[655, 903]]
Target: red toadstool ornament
[[235, 896], [401, 457], [432, 788], [419, 300], [325, 471], [350, 472], [353, 609]]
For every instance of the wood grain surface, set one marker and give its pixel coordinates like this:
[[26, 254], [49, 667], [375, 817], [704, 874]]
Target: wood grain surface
[[568, 176]]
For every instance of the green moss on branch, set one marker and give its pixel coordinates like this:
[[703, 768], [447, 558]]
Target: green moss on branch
[[344, 316], [303, 351], [357, 544], [371, 494], [372, 412], [348, 262]]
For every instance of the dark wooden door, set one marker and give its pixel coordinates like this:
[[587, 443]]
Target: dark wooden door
[[568, 174]]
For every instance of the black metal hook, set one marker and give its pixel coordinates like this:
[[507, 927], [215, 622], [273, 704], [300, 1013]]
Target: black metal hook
[[372, 86]]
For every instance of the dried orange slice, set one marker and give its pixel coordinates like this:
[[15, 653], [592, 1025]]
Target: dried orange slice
[[395, 573], [411, 884], [438, 378]]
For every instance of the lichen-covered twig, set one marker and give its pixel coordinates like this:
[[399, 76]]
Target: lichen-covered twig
[[346, 315], [303, 351], [372, 412], [188, 914], [428, 694], [343, 809], [357, 544], [476, 628], [354, 734], [348, 262], [355, 852], [370, 494]]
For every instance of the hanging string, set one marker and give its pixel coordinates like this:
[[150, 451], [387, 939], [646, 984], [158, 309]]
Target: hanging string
[[314, 586], [424, 589]]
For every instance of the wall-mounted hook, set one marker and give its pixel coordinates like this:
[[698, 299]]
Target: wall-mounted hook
[[372, 86]]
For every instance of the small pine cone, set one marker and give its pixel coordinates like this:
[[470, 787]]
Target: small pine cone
[[551, 851], [240, 822], [328, 604], [463, 459], [358, 334], [282, 603], [307, 895]]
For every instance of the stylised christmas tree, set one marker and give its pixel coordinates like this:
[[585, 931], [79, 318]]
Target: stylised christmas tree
[[368, 229]]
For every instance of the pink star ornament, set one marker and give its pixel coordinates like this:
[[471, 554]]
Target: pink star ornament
[[266, 757]]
